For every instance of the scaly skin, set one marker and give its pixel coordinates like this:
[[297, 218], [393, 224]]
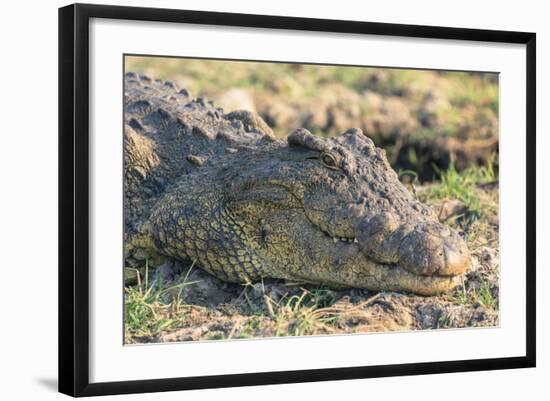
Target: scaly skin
[[246, 206]]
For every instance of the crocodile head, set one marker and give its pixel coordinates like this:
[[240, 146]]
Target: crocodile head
[[333, 211]]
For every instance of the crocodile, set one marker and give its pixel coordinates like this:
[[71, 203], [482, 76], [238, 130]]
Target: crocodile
[[219, 190]]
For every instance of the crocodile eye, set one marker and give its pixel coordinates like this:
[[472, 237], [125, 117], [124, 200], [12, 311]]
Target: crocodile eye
[[329, 160]]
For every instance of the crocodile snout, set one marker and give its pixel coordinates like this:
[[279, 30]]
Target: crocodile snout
[[433, 249], [425, 248]]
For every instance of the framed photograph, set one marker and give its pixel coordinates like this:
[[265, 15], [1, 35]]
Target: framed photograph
[[251, 199]]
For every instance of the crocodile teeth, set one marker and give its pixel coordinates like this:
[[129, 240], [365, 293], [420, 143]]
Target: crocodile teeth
[[355, 240], [343, 239]]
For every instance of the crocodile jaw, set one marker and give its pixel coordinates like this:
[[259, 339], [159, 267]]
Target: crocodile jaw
[[348, 266], [424, 247]]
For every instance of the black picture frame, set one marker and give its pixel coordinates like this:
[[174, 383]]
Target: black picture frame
[[74, 198]]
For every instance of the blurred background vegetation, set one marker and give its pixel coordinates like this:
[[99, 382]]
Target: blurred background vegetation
[[426, 120]]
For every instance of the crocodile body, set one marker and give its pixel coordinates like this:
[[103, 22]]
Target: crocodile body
[[219, 190]]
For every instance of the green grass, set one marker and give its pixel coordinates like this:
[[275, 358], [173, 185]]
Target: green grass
[[486, 298], [477, 222], [475, 296], [301, 314], [463, 186], [150, 307]]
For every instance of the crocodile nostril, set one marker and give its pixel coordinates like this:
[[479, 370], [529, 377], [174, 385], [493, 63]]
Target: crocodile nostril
[[457, 258], [434, 252]]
